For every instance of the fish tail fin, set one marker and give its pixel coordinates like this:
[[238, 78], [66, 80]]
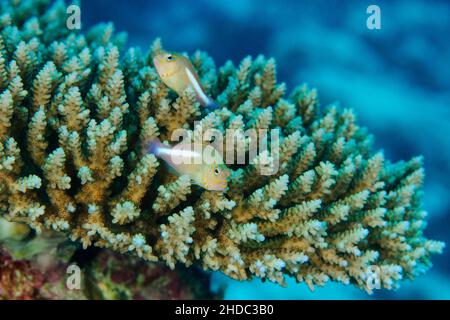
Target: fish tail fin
[[153, 146], [211, 105]]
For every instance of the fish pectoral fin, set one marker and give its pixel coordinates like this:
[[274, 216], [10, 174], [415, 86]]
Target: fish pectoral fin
[[202, 184]]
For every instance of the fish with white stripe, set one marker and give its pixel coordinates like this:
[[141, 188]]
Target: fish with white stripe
[[202, 163], [178, 73]]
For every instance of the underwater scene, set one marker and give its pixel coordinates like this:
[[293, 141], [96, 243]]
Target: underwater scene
[[212, 149]]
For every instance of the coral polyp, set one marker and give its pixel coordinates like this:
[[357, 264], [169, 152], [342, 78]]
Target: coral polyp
[[76, 113]]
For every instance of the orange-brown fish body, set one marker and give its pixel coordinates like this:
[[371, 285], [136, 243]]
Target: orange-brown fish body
[[201, 162], [177, 72]]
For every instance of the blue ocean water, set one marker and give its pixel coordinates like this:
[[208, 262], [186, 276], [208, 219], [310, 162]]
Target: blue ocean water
[[397, 79]]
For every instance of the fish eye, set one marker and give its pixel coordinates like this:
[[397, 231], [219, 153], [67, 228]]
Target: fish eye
[[170, 58], [217, 171]]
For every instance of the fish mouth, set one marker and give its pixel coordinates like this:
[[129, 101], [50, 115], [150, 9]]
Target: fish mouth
[[221, 186]]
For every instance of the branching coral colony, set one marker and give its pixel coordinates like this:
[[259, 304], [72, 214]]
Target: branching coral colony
[[74, 117]]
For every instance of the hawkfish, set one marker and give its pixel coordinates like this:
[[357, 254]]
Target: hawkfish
[[177, 72], [201, 162]]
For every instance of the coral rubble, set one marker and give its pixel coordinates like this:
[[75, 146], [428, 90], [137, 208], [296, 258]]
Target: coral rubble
[[40, 268], [76, 114], [34, 267], [117, 276]]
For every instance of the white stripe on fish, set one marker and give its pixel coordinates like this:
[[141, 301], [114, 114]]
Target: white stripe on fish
[[211, 174], [178, 153], [197, 88]]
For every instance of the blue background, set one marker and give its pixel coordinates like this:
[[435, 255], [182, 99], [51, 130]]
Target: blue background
[[397, 79]]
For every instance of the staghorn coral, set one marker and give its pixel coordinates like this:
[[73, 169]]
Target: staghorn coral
[[75, 117]]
